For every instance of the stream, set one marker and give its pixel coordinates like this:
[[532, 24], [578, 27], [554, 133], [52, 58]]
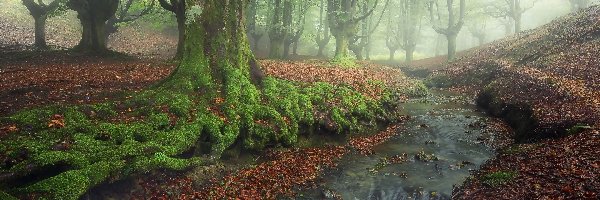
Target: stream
[[439, 146]]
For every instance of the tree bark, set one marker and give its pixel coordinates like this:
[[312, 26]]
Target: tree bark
[[40, 31], [40, 12], [341, 46], [93, 16], [286, 49], [451, 46], [295, 48], [217, 60], [410, 51], [392, 53], [178, 7], [181, 34], [277, 33], [518, 23]]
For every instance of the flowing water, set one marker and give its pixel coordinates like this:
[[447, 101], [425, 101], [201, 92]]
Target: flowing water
[[441, 130]]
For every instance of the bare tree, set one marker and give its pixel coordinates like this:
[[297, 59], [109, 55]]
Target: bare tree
[[323, 35], [512, 9], [40, 12], [362, 43], [344, 17], [454, 24], [295, 21], [125, 13]]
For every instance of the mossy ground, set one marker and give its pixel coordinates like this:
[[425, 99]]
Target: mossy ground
[[97, 147]]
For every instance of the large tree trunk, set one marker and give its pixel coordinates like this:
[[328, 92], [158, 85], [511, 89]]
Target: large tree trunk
[[93, 16], [217, 60], [451, 46], [40, 31], [341, 46]]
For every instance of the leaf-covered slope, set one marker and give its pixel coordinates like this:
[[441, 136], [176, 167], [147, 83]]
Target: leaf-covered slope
[[552, 71], [546, 83]]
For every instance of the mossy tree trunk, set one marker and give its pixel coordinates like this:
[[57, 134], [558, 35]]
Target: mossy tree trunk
[[217, 60], [93, 15], [40, 11]]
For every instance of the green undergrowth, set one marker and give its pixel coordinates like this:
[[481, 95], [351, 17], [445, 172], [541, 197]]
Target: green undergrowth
[[172, 130], [344, 61], [499, 178]]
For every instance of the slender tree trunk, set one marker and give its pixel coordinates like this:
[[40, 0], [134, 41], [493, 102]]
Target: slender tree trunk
[[181, 35], [508, 28], [256, 41], [40, 31], [438, 45], [286, 49], [451, 46], [295, 48], [410, 51], [518, 23], [392, 53]]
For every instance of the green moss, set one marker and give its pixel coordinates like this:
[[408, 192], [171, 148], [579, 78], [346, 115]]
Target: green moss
[[74, 183], [416, 89], [344, 61], [6, 196], [578, 128], [496, 179]]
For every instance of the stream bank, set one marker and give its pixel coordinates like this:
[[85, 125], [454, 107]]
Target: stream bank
[[445, 139]]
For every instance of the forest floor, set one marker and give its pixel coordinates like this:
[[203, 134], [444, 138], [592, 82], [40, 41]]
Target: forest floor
[[32, 79], [35, 79], [548, 77]]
